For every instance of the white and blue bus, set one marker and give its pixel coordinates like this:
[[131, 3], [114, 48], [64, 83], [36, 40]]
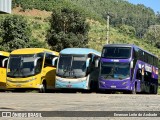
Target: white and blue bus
[[77, 68]]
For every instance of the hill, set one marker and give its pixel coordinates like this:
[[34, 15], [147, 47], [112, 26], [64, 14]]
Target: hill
[[128, 24], [97, 32]]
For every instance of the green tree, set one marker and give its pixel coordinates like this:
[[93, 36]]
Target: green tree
[[68, 29], [128, 30], [15, 33], [152, 35]]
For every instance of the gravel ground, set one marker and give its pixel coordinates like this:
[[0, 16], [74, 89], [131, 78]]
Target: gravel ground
[[79, 102]]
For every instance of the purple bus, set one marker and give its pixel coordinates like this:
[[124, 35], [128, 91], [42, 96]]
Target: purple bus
[[129, 69]]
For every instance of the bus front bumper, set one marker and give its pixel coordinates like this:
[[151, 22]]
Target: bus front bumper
[[22, 83], [71, 83], [115, 84]]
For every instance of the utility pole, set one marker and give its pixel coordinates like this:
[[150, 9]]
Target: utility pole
[[108, 17]]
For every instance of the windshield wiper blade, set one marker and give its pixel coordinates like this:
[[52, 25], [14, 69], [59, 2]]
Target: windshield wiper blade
[[17, 70], [106, 76], [66, 70], [74, 74], [120, 78], [109, 74]]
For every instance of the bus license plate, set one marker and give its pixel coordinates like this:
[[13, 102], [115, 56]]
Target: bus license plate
[[113, 86], [69, 86], [18, 85]]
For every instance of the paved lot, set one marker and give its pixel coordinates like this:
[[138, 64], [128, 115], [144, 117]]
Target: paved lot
[[79, 102]]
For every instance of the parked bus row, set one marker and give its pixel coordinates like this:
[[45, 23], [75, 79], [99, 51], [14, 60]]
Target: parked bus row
[[120, 67]]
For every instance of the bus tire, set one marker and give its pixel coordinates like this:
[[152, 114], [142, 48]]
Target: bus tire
[[43, 88], [134, 90], [155, 89], [151, 89]]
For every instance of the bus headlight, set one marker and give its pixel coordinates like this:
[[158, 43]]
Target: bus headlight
[[82, 79], [124, 83], [102, 82]]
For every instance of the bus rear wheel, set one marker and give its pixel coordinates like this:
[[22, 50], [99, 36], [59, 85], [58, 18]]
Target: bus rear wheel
[[43, 88], [153, 89], [156, 89], [134, 90]]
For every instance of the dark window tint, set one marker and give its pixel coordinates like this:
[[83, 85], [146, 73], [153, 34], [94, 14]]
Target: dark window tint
[[48, 59], [116, 52]]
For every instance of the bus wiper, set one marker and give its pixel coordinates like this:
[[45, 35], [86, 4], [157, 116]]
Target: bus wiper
[[109, 74], [17, 70], [66, 70], [120, 78], [73, 73]]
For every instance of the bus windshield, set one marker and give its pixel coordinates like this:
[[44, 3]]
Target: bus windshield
[[115, 70], [22, 65], [72, 66], [116, 52]]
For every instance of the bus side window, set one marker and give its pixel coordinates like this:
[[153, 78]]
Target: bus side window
[[39, 65], [48, 60]]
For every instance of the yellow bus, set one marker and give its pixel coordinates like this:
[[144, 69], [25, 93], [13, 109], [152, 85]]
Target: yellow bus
[[3, 65], [32, 68]]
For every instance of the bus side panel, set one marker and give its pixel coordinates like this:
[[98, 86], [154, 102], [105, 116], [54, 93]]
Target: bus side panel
[[144, 78], [2, 78], [50, 74]]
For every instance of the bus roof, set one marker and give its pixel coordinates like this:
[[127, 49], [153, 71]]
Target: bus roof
[[128, 45], [3, 53], [32, 51], [80, 51]]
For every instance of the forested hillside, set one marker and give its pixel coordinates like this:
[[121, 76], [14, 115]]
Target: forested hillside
[[121, 12], [134, 21], [134, 24], [57, 24]]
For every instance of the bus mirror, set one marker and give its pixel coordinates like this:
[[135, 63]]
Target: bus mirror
[[35, 61], [4, 62], [54, 61], [96, 63], [88, 62], [131, 65]]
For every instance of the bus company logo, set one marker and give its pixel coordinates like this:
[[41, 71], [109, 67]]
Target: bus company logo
[[148, 68], [6, 114]]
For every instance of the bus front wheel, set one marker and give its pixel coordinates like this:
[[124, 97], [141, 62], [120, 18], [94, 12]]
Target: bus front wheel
[[43, 88]]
